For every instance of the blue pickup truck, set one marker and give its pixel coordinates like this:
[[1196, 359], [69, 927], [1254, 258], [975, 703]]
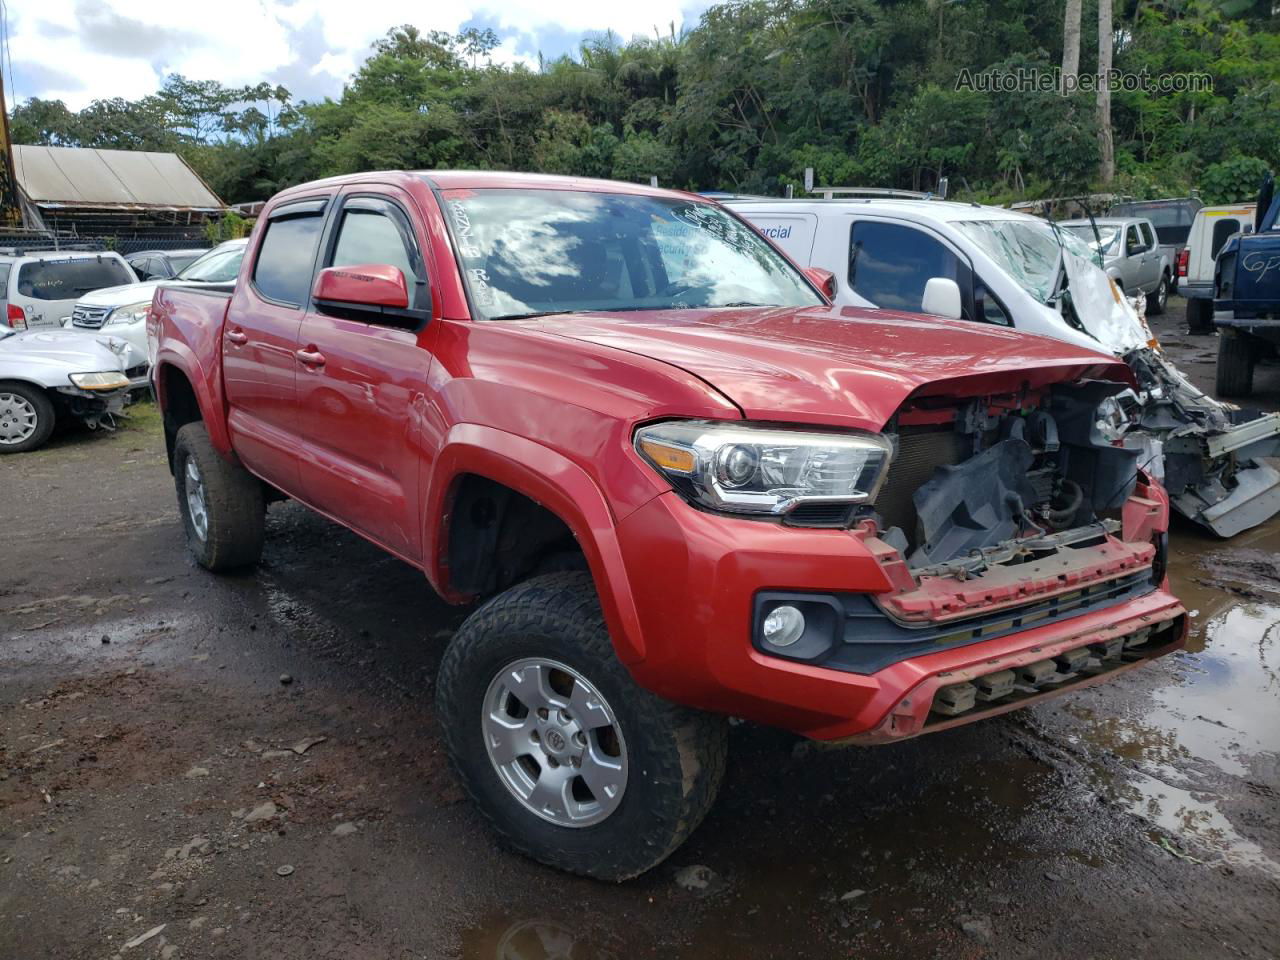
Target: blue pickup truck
[[1246, 298]]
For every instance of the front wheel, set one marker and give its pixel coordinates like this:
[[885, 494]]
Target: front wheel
[[222, 505], [26, 417], [566, 756], [1158, 298]]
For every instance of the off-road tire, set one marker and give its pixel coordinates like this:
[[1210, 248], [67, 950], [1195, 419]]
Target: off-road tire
[[45, 415], [1234, 376], [1200, 317], [1158, 298], [675, 756], [234, 501]]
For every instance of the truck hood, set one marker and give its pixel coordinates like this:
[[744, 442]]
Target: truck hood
[[47, 356], [838, 366]]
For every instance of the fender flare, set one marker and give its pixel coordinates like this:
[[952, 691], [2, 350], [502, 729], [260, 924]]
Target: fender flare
[[551, 480], [207, 388]]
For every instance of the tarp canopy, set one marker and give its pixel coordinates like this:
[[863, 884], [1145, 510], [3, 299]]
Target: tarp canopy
[[110, 179]]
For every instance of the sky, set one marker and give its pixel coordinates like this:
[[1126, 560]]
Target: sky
[[82, 50]]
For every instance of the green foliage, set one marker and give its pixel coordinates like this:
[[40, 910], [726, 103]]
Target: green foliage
[[1233, 181], [232, 226], [863, 91]]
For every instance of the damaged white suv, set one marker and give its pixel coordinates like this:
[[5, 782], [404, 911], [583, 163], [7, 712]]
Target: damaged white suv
[[993, 265]]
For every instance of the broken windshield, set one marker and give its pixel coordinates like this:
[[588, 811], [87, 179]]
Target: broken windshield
[[529, 253], [1106, 239], [1030, 251]]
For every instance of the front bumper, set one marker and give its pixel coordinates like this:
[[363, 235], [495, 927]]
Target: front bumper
[[695, 577]]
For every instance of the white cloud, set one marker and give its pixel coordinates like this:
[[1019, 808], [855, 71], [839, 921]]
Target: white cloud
[[80, 50]]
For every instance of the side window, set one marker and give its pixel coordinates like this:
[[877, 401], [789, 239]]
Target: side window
[[890, 264], [285, 259], [370, 236], [987, 307], [1147, 238], [1132, 244], [1223, 229], [4, 281]]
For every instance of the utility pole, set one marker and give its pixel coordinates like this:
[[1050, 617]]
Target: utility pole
[[10, 210]]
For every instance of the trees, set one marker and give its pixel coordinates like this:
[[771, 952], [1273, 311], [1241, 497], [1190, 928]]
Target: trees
[[864, 91]]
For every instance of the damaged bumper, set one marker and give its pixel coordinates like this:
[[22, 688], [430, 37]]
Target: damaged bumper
[[1212, 457]]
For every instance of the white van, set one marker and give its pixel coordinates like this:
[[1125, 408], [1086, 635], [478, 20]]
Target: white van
[[39, 289], [1210, 229], [992, 265]]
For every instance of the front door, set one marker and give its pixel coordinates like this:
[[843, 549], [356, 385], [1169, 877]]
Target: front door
[[260, 343], [361, 378]]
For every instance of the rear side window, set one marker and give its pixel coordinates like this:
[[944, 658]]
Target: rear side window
[[1223, 229], [1147, 238], [890, 265], [5, 268], [285, 259], [69, 279]]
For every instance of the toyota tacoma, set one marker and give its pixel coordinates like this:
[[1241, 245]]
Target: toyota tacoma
[[681, 484]]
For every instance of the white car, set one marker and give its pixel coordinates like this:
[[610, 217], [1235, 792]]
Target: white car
[[47, 375], [38, 289], [122, 311], [993, 265]]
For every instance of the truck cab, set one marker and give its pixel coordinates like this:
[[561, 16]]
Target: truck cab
[[1246, 297]]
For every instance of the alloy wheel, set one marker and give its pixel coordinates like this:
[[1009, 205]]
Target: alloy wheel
[[197, 506], [554, 742]]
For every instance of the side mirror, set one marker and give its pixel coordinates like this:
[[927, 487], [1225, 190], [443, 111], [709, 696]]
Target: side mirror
[[370, 286], [824, 280], [942, 298]]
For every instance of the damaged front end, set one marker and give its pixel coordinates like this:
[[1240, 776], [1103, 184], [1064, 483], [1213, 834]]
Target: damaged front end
[[1211, 456], [95, 408]]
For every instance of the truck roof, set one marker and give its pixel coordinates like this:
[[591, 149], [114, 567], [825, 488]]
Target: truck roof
[[489, 179], [940, 210]]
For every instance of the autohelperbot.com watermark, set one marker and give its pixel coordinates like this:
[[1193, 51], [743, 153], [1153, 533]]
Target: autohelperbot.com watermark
[[1053, 80]]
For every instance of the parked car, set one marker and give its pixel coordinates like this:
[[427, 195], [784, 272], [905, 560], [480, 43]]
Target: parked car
[[1130, 255], [38, 289], [1171, 218], [122, 311], [686, 487], [1212, 227], [996, 266], [163, 264], [48, 375], [1246, 299]]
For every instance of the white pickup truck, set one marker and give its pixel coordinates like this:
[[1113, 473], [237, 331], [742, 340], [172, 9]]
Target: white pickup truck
[[993, 265]]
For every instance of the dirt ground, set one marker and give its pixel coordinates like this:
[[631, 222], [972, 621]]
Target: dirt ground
[[248, 767]]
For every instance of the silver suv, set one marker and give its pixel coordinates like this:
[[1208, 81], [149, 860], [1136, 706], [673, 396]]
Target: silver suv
[[1131, 255], [39, 289]]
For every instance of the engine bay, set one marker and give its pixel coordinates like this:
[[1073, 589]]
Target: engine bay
[[999, 480]]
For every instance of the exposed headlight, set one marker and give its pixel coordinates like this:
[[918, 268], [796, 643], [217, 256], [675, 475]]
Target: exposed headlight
[[738, 468], [106, 380], [131, 313]]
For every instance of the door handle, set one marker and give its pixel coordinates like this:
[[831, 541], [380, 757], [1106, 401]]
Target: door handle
[[310, 357], [237, 336]]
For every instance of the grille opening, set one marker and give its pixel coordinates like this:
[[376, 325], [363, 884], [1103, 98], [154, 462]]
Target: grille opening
[[921, 450]]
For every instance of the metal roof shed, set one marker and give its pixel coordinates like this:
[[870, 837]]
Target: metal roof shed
[[68, 178]]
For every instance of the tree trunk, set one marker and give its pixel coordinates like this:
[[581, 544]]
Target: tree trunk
[[1106, 143], [1071, 41]]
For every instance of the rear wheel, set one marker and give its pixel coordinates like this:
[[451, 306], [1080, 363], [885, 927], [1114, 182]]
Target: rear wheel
[[1158, 299], [1235, 364], [26, 417], [222, 505], [1200, 316], [566, 756]]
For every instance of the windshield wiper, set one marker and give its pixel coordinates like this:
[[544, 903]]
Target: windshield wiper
[[535, 314], [742, 303]]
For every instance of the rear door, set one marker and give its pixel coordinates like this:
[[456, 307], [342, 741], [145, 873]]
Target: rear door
[[361, 378], [260, 341]]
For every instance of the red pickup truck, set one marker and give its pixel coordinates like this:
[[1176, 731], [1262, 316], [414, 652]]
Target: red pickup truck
[[684, 485]]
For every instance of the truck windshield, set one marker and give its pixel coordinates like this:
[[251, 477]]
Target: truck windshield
[[1107, 233], [531, 252], [219, 265], [1029, 250]]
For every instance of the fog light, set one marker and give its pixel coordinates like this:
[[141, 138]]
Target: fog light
[[783, 626]]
